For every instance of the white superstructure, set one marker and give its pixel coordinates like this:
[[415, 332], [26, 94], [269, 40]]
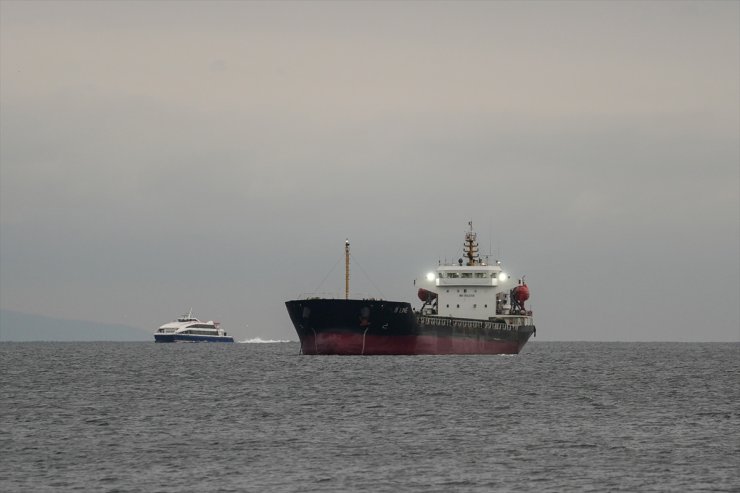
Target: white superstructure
[[189, 329], [179, 323], [473, 288], [468, 291]]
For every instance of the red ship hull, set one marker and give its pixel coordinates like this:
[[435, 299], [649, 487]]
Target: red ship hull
[[356, 344]]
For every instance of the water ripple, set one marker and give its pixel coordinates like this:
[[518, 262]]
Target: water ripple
[[258, 417]]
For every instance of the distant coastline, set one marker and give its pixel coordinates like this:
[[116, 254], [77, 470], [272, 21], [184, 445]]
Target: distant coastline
[[25, 327]]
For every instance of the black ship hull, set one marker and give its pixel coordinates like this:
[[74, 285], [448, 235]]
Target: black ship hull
[[379, 327]]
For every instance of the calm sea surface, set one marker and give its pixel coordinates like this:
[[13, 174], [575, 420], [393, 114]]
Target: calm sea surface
[[259, 417]]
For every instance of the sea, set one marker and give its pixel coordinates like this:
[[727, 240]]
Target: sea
[[560, 416]]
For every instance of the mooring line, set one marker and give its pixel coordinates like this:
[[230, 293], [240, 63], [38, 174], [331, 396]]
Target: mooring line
[[315, 344], [363, 341]]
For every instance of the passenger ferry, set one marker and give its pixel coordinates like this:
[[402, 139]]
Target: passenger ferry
[[189, 329]]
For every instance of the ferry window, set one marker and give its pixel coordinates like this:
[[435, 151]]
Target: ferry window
[[465, 290], [458, 306], [485, 306], [480, 275], [475, 306], [467, 275], [448, 306], [448, 290], [452, 275]]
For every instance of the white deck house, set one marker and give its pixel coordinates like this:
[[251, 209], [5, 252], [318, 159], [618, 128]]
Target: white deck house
[[472, 289]]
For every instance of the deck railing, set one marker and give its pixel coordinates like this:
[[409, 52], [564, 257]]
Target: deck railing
[[465, 324]]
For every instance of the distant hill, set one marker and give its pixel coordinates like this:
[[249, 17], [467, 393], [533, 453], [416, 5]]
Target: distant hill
[[17, 326]]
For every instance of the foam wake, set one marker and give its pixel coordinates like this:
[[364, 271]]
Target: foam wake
[[259, 340]]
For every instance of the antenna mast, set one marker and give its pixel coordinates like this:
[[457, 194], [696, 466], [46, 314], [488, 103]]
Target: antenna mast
[[471, 246], [346, 269]]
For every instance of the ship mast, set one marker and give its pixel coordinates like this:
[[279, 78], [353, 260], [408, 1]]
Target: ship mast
[[471, 246], [346, 269]]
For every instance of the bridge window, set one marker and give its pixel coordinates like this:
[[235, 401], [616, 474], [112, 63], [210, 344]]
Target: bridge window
[[480, 275], [467, 275]]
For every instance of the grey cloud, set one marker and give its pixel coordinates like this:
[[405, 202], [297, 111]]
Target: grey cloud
[[220, 159]]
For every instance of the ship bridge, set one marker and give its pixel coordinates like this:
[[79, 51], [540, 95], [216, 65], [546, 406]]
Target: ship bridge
[[471, 288]]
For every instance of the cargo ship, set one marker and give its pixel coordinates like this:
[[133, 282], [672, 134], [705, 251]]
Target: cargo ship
[[468, 307]]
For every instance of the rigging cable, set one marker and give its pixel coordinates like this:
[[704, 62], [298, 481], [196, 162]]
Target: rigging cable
[[327, 275], [354, 258]]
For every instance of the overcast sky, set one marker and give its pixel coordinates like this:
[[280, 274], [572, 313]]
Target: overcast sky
[[157, 156]]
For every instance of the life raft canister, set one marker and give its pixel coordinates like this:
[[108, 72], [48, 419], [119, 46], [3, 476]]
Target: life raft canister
[[521, 294]]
